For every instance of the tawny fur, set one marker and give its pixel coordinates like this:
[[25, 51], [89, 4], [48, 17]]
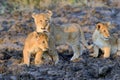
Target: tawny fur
[[35, 44], [104, 40]]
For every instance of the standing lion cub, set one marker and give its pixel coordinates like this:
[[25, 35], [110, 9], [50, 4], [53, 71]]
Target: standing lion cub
[[35, 43], [104, 40]]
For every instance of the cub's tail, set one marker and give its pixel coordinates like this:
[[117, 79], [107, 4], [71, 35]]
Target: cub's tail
[[83, 40]]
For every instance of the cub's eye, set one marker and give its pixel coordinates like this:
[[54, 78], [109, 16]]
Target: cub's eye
[[43, 42], [104, 31], [46, 20], [40, 20]]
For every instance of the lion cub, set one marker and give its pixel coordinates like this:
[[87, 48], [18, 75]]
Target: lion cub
[[104, 40], [35, 43]]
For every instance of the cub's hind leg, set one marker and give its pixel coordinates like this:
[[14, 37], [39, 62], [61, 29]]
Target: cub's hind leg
[[77, 49]]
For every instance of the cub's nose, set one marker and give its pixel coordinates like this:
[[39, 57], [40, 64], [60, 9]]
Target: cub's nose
[[43, 28], [45, 31], [46, 49], [109, 36]]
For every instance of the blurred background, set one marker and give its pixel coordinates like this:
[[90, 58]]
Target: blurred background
[[9, 6]]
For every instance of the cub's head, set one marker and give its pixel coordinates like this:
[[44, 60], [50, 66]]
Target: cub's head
[[42, 41], [42, 21], [103, 29]]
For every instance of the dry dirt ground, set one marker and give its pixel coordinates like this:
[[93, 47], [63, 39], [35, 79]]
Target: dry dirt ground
[[14, 29]]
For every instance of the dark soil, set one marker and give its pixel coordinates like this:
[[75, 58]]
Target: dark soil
[[15, 27]]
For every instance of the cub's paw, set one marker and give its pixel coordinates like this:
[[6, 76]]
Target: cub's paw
[[56, 60], [38, 63], [93, 55], [77, 60], [90, 46], [106, 55], [24, 64]]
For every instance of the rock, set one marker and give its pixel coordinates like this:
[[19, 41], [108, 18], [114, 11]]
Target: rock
[[25, 76], [13, 77], [1, 77], [1, 28], [93, 70], [4, 25], [116, 77], [76, 10], [56, 73], [3, 68], [103, 71], [76, 67], [40, 78], [43, 71]]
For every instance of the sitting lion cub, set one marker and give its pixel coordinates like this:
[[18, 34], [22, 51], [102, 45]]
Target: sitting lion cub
[[104, 40], [35, 43], [70, 34]]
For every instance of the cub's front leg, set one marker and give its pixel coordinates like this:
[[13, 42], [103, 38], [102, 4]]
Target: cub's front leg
[[106, 51], [77, 49], [26, 57], [38, 58], [54, 55], [52, 51], [96, 51]]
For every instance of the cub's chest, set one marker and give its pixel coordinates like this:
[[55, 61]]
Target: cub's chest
[[100, 43]]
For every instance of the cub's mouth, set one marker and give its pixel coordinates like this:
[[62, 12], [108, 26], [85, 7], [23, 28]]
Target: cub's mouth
[[42, 30], [45, 28], [46, 49], [106, 38]]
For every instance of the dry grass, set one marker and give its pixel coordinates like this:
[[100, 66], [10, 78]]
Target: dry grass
[[43, 4], [30, 5]]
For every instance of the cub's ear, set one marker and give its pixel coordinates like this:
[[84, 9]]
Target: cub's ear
[[49, 13], [34, 15], [98, 26]]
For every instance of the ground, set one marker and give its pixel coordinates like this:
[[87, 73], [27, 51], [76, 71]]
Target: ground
[[15, 27]]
